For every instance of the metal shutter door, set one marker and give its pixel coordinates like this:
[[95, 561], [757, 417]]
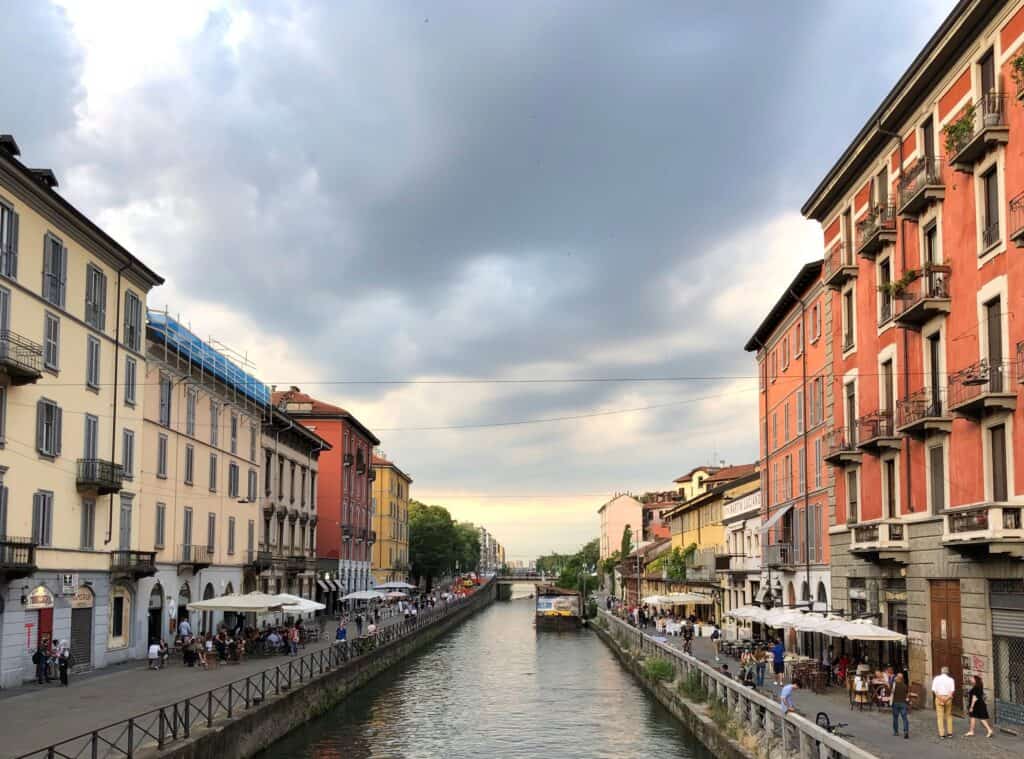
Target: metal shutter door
[[81, 638]]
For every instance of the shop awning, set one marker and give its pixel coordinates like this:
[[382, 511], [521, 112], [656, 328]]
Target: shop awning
[[775, 518], [323, 586], [861, 629], [259, 603]]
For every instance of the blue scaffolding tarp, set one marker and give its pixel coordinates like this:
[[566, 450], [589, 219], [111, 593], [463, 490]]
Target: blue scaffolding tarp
[[166, 329]]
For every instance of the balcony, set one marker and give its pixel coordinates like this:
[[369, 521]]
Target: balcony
[[348, 459], [922, 412], [99, 476], [990, 528], [20, 358], [780, 556], [876, 433], [134, 564], [840, 266], [981, 387], [880, 541], [737, 563], [297, 563], [17, 557], [841, 447], [981, 128], [194, 557], [259, 561], [920, 186], [346, 533], [1016, 219], [876, 230], [924, 298]]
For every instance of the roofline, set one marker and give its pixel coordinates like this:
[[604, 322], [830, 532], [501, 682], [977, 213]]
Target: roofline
[[708, 495], [75, 219], [899, 103], [391, 465], [302, 429], [808, 274], [312, 415]]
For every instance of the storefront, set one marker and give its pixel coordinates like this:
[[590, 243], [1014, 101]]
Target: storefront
[[1007, 602]]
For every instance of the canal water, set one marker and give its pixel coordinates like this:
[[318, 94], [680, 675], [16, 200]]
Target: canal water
[[494, 687]]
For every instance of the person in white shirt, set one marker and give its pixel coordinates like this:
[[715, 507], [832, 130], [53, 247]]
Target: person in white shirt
[[154, 654], [184, 629], [943, 688]]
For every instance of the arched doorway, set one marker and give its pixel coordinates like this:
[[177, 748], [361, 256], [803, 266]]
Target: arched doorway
[[154, 630], [805, 593], [207, 620], [822, 594], [184, 599], [81, 628]]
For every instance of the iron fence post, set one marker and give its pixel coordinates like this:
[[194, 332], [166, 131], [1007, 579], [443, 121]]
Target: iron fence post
[[131, 738], [231, 693], [160, 732]]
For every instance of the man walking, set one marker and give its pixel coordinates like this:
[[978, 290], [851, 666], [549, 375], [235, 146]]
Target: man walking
[[779, 662], [943, 688], [900, 707], [184, 630], [716, 641]]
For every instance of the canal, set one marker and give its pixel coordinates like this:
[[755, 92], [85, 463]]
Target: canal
[[494, 687]]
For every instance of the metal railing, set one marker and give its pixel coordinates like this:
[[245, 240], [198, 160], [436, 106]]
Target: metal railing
[[17, 553], [259, 559], [980, 378], [756, 713], [990, 233], [841, 440], [195, 554], [100, 473], [879, 218], [874, 425], [865, 533], [968, 520], [779, 555], [921, 404], [839, 255], [989, 111], [924, 172], [157, 728], [133, 562], [20, 353], [1016, 216], [933, 283]]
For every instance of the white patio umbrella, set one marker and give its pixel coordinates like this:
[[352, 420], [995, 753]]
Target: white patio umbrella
[[396, 585], [259, 603], [298, 605], [656, 601], [746, 613], [689, 598], [396, 594], [862, 629], [363, 595], [782, 617]]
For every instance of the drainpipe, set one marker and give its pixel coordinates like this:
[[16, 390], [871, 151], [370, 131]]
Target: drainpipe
[[902, 246], [767, 469], [803, 410], [117, 373]]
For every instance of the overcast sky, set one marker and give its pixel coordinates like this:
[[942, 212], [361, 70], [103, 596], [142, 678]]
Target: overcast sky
[[459, 191]]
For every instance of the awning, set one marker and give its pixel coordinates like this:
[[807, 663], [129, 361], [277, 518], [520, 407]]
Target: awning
[[737, 526], [775, 518], [862, 629], [334, 585], [259, 603], [299, 605], [323, 586]]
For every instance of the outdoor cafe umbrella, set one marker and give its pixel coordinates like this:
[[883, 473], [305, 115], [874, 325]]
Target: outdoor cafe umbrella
[[259, 603], [862, 629], [396, 585], [746, 613], [396, 594], [298, 605], [363, 595]]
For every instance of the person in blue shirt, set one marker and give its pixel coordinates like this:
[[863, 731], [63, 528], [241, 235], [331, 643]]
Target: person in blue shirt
[[779, 662], [786, 697], [341, 633]]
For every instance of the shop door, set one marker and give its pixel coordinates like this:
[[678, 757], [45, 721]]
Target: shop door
[[45, 627], [947, 644], [81, 638]]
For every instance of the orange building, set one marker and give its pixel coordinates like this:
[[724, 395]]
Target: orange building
[[794, 355], [923, 215]]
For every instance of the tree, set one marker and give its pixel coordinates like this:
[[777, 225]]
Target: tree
[[627, 542], [608, 567], [591, 552], [431, 541], [466, 548], [674, 563]]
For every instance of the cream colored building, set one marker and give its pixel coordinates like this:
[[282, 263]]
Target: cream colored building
[[72, 391], [390, 521], [622, 511], [202, 444]]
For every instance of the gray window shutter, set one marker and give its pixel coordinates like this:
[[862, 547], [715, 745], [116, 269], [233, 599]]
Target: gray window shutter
[[102, 300], [40, 413], [57, 420], [3, 510], [37, 515], [46, 266], [63, 274], [14, 248], [48, 512]]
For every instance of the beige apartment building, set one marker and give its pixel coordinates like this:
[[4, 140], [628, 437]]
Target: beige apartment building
[[390, 521], [202, 443], [286, 560], [72, 310]]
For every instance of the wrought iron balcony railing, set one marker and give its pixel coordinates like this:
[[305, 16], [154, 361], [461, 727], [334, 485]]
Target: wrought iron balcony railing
[[924, 298], [982, 386], [103, 477], [840, 265], [196, 555], [17, 557], [921, 407], [980, 127], [876, 229], [779, 555], [921, 184], [1016, 219], [20, 358], [134, 563], [259, 560]]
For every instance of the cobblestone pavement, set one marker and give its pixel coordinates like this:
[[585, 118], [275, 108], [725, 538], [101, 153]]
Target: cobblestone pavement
[[872, 730], [33, 715]]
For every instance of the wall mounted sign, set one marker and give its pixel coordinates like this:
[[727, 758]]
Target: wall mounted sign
[[83, 598], [40, 598]]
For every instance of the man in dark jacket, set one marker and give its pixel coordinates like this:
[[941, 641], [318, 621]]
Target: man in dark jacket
[[39, 659]]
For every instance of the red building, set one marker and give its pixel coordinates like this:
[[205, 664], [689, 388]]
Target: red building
[[344, 540], [923, 218], [655, 505]]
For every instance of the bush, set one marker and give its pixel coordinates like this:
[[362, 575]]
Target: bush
[[659, 669], [719, 714], [692, 688]]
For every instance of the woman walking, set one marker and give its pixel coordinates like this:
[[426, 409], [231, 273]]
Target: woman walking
[[977, 710]]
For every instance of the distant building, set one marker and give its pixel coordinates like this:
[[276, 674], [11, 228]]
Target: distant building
[[692, 484], [390, 521], [619, 512]]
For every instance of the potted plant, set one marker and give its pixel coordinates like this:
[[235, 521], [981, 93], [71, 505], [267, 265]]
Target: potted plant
[[1017, 71], [992, 115], [959, 132]]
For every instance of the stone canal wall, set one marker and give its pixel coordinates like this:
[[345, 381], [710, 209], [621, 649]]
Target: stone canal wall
[[270, 721], [732, 721]]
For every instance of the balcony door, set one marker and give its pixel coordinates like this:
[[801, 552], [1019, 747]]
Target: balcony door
[[851, 414], [890, 488], [186, 534], [997, 444], [934, 382], [993, 316], [882, 188], [928, 138], [92, 436], [888, 392], [988, 73], [125, 536], [937, 476]]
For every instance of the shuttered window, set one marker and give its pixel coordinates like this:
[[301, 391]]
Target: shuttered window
[[233, 480], [165, 400], [214, 423], [3, 509], [211, 531], [92, 363], [161, 525], [51, 342], [251, 490], [42, 518], [213, 473], [161, 456], [132, 321], [128, 453], [95, 298], [131, 373], [55, 270], [799, 412], [231, 535], [88, 524], [190, 413], [48, 427], [8, 241]]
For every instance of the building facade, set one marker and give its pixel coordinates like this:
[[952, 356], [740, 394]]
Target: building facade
[[739, 566], [71, 397], [923, 216], [286, 558], [492, 553], [693, 483], [793, 345], [344, 534], [655, 506], [198, 460], [620, 512], [390, 522]]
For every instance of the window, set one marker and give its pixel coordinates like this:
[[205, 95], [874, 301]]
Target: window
[[885, 293], [787, 478], [117, 617], [92, 363], [851, 496], [190, 412], [42, 517], [234, 433], [817, 463], [785, 423], [214, 423], [785, 353], [928, 140], [8, 241], [851, 413], [848, 315], [48, 427], [252, 442], [95, 298], [51, 342], [251, 490], [268, 466], [233, 480], [88, 524], [280, 476], [989, 221], [131, 374], [291, 482], [762, 370], [161, 456], [55, 271], [775, 364], [132, 321], [166, 388], [799, 412], [312, 490], [211, 531], [161, 525], [820, 399], [775, 430], [186, 527], [802, 466], [128, 453], [937, 478], [798, 339], [231, 536], [3, 415], [190, 464], [302, 487], [213, 472], [997, 444], [775, 479], [250, 539]]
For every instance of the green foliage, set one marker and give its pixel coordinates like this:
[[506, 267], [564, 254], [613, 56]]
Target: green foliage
[[1017, 66], [626, 545], [552, 564], [659, 670], [607, 569], [438, 545], [575, 571], [466, 548], [674, 563], [959, 132], [692, 688]]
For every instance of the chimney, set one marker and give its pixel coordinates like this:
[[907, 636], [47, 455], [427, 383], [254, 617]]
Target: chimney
[[45, 177], [9, 146], [294, 389]]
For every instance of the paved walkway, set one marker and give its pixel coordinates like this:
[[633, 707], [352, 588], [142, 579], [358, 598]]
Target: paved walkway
[[872, 730], [38, 715]]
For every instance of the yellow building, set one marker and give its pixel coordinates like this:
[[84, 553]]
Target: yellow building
[[390, 521], [694, 482], [72, 389]]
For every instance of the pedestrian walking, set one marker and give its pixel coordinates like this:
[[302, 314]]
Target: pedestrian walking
[[760, 665], [900, 707], [977, 710], [153, 655], [943, 688], [359, 625], [779, 662], [184, 629], [716, 641], [293, 640], [341, 633], [63, 663]]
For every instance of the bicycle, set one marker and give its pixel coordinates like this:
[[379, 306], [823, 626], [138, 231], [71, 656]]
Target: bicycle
[[832, 728]]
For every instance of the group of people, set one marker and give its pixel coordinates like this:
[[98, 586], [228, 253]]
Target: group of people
[[228, 644], [50, 656], [943, 690]]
